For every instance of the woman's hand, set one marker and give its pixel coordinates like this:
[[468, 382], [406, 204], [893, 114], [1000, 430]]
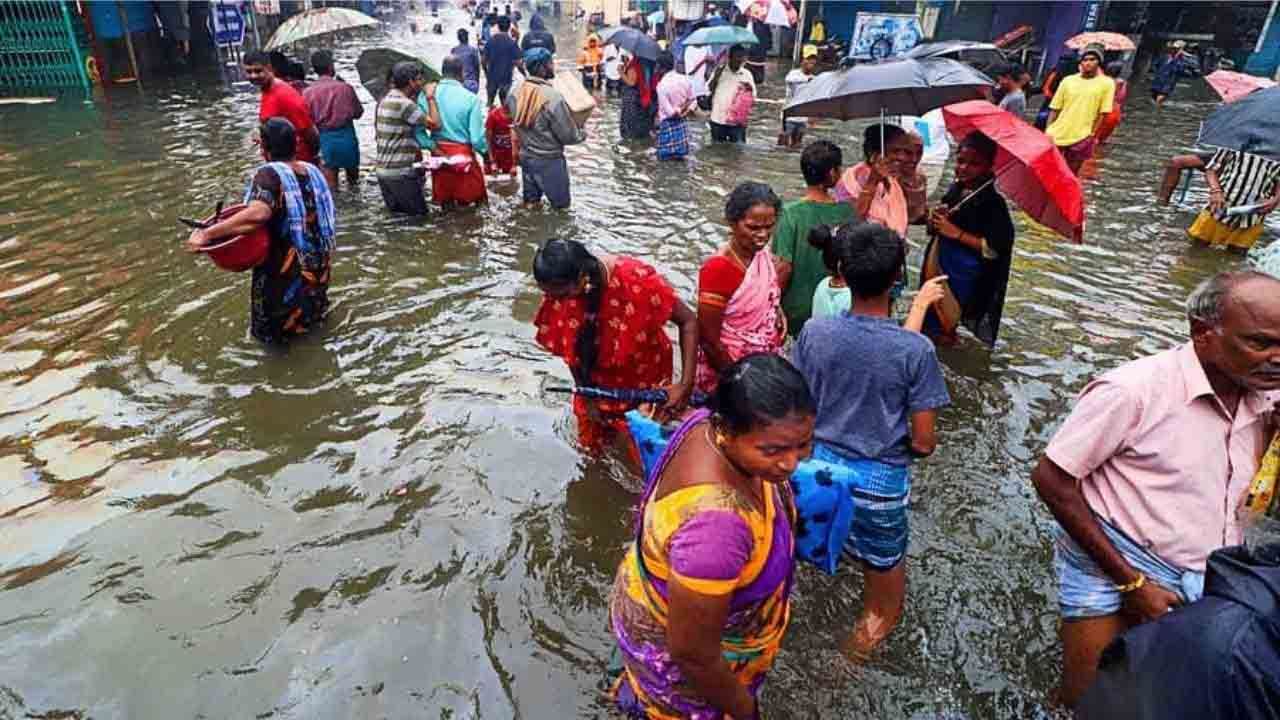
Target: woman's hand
[[1217, 201], [677, 398], [880, 171], [196, 241], [940, 223]]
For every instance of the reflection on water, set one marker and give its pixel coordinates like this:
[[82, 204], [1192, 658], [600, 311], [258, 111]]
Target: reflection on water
[[389, 518]]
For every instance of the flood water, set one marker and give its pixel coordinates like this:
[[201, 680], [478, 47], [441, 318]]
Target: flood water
[[390, 518]]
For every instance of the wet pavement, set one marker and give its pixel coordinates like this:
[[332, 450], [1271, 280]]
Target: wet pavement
[[390, 518]]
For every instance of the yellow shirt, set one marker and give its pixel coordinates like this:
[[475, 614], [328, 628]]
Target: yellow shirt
[[1079, 101]]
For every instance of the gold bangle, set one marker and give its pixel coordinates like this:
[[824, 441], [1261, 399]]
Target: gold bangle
[[1133, 585]]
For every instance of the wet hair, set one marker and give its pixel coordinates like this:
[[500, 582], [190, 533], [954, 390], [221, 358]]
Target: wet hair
[[295, 71], [462, 35], [818, 160], [322, 62], [981, 144], [279, 62], [504, 23], [746, 196], [871, 138], [403, 73], [1208, 301], [758, 390], [255, 57], [1114, 68], [279, 138], [867, 255], [561, 262], [451, 67], [666, 61], [1003, 70], [737, 50], [823, 237]]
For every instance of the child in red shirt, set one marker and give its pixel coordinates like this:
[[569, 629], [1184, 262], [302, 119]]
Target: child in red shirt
[[497, 129]]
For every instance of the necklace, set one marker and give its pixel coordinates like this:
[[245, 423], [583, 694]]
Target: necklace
[[715, 446], [737, 257]]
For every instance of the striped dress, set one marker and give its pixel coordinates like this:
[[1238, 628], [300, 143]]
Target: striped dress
[[1246, 179]]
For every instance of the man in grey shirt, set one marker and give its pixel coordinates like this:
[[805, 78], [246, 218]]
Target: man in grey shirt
[[544, 126], [1009, 80]]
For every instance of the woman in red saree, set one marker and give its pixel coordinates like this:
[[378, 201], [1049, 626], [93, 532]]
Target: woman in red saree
[[606, 317], [738, 292]]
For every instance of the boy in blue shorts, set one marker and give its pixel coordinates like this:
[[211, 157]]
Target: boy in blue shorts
[[879, 388]]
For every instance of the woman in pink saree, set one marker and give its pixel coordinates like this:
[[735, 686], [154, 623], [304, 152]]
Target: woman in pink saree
[[738, 292]]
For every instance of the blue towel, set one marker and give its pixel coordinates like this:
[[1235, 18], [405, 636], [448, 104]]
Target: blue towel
[[824, 501], [295, 209]]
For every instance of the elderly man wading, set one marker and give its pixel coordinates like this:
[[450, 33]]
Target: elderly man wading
[[1147, 475]]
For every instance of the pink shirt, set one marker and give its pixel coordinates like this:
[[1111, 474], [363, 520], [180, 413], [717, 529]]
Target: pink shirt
[[888, 207], [1158, 455], [675, 93]]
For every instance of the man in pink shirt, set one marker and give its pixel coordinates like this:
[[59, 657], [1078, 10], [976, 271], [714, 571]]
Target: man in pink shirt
[[1147, 475]]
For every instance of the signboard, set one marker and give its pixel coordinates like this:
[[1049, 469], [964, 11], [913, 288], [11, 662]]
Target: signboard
[[228, 22], [266, 7], [1092, 11], [882, 35]]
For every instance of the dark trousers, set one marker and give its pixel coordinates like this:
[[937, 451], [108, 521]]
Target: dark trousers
[[727, 133], [492, 87], [404, 194], [548, 177]]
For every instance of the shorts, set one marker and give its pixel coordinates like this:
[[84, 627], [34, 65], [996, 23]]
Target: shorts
[[1086, 591], [548, 177], [404, 193], [727, 133], [1077, 153], [880, 530], [492, 88], [339, 149]]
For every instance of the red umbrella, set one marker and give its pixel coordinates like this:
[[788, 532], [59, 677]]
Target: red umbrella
[[1029, 169], [1233, 85]]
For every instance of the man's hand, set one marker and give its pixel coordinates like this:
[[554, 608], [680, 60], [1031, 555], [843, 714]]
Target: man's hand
[[1269, 206], [1150, 602], [1217, 202]]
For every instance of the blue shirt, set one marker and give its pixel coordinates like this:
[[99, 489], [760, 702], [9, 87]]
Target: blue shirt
[[869, 375], [500, 56], [470, 58], [461, 116]]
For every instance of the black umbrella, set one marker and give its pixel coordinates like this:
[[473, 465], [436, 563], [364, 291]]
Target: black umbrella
[[375, 63], [633, 41], [901, 86], [1250, 124]]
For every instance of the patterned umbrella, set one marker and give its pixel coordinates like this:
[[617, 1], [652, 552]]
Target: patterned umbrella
[[1108, 41], [770, 12], [320, 21]]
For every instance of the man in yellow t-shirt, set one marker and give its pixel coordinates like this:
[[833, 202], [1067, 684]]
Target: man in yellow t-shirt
[[1078, 107]]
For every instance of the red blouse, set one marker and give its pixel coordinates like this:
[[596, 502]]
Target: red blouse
[[635, 351]]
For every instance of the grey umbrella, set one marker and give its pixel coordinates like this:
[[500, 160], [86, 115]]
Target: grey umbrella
[[900, 86], [1250, 124], [633, 41]]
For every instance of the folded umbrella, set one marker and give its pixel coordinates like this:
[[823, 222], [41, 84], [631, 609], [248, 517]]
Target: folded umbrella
[[1250, 124], [1108, 41], [1232, 86], [1029, 169], [375, 63], [722, 35], [900, 86], [320, 21], [633, 41]]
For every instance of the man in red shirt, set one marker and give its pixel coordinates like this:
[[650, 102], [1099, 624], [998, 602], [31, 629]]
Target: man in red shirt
[[281, 100]]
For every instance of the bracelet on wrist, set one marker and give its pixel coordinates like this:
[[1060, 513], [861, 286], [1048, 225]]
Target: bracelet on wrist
[[1132, 585]]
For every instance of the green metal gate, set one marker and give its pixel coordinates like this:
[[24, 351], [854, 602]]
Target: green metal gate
[[38, 48]]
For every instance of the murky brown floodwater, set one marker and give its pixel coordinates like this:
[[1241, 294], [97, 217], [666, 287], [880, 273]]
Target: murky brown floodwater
[[192, 526]]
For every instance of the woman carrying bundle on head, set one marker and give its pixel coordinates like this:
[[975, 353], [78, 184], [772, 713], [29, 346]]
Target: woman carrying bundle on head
[[972, 245], [606, 317], [701, 601], [738, 292]]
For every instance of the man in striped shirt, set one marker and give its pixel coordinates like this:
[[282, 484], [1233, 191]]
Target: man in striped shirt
[[399, 178]]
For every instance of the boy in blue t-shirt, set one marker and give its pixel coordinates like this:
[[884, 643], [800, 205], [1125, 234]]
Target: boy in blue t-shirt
[[878, 387]]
